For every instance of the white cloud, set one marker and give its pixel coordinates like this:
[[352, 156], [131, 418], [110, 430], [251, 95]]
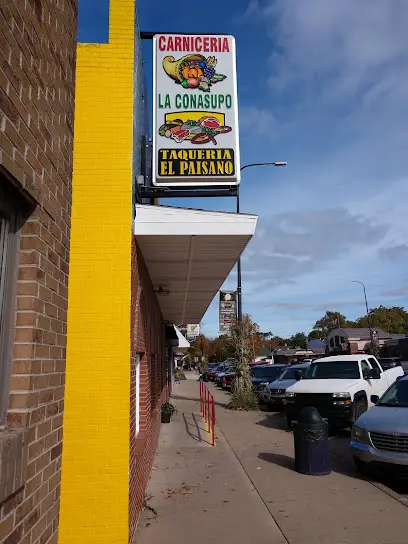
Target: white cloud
[[256, 122], [338, 102], [339, 48]]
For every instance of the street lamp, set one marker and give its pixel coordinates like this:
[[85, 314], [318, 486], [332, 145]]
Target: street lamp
[[239, 276], [366, 305]]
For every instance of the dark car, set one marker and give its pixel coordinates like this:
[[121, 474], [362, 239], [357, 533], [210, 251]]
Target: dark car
[[389, 362], [264, 374]]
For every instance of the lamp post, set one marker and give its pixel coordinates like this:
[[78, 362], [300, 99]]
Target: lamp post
[[366, 305], [239, 276]]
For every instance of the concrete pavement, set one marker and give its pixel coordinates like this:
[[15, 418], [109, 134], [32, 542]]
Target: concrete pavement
[[245, 489], [201, 493]]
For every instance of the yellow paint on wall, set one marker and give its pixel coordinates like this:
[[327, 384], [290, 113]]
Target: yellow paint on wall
[[95, 461]]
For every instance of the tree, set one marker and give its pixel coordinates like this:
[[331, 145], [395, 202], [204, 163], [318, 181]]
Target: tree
[[242, 338], [330, 321], [220, 349], [200, 349], [299, 339], [393, 320], [316, 335]]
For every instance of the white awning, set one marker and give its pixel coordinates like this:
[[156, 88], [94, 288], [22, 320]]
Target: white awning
[[189, 254], [183, 343]]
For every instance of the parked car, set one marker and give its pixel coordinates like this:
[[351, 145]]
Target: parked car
[[274, 393], [228, 380], [340, 387], [264, 374], [213, 371], [379, 437], [219, 376]]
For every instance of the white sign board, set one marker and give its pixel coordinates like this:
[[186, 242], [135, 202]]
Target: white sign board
[[195, 112], [193, 331]]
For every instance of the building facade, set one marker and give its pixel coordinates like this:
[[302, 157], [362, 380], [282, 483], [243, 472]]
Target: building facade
[[353, 340], [93, 279], [38, 52]]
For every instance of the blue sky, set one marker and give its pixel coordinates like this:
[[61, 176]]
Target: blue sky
[[323, 86]]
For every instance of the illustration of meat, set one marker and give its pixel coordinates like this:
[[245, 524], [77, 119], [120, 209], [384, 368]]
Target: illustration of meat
[[209, 122], [180, 135]]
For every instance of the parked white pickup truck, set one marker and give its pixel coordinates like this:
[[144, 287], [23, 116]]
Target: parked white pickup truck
[[340, 387]]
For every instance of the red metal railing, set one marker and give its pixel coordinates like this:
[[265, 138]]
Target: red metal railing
[[208, 410]]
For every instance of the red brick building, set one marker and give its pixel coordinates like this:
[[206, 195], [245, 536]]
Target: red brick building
[[91, 356], [37, 70]]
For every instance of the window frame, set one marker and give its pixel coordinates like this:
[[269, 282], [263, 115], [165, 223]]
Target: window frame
[[137, 401], [9, 216]]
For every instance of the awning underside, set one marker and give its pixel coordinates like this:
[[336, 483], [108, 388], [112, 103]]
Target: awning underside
[[189, 254]]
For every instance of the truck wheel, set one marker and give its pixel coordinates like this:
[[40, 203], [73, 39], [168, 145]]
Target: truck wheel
[[359, 407]]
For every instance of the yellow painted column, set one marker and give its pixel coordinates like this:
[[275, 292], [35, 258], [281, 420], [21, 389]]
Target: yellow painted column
[[95, 461]]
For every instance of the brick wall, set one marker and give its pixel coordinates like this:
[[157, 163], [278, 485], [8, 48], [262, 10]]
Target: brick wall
[[37, 52], [95, 460], [148, 340]]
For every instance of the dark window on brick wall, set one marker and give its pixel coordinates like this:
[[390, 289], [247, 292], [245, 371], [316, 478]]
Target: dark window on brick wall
[[93, 21], [9, 226]]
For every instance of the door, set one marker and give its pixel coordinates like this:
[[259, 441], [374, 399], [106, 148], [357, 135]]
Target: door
[[382, 383], [375, 386]]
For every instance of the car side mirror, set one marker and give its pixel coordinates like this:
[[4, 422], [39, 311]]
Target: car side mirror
[[374, 399], [298, 375]]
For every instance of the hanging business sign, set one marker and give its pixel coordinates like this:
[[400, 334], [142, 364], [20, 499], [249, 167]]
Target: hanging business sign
[[193, 330], [228, 310], [195, 114]]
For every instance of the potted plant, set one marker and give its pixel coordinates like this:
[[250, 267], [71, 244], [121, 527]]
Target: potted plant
[[167, 410]]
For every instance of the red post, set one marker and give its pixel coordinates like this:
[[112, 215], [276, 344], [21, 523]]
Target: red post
[[205, 404], [213, 422], [201, 398], [208, 412]]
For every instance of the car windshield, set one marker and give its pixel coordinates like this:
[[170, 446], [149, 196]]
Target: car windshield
[[290, 373], [397, 395], [334, 370], [266, 372]]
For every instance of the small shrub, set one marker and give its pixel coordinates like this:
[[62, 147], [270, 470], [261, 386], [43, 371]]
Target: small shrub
[[168, 407]]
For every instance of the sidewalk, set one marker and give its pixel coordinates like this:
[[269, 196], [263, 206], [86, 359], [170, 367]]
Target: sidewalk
[[245, 489], [201, 493]]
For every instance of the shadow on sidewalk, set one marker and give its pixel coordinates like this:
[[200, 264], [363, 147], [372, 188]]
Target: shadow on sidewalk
[[278, 459], [194, 429], [274, 420], [178, 397]]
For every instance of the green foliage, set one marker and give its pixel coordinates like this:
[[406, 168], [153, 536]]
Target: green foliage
[[393, 320], [330, 321], [242, 338], [299, 339], [168, 407], [316, 335]]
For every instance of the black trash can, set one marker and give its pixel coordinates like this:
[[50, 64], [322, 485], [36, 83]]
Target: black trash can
[[311, 435]]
